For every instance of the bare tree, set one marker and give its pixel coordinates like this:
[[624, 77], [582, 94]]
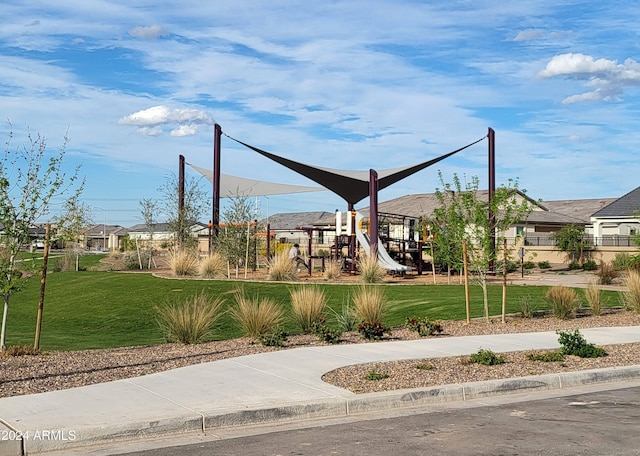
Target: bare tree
[[72, 223], [149, 210], [29, 179], [195, 202]]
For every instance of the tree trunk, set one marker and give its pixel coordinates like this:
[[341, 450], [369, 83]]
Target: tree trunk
[[3, 332]]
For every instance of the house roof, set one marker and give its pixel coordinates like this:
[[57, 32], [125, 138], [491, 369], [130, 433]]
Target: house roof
[[580, 209], [294, 220], [104, 230], [625, 206]]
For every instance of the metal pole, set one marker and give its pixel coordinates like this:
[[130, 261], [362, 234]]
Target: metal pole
[[181, 220], [373, 212], [492, 190], [216, 179]]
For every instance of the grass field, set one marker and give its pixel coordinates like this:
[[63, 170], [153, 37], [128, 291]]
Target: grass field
[[96, 309]]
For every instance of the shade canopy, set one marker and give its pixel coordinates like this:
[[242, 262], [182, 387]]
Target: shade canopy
[[232, 186], [352, 186]]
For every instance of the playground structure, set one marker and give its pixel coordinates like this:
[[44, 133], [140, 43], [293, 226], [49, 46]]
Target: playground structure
[[352, 186]]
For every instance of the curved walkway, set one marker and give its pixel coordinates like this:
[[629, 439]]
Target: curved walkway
[[269, 387]]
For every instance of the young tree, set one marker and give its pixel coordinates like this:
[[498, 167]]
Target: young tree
[[72, 223], [29, 179], [572, 240], [465, 215], [236, 238], [149, 210], [195, 202]]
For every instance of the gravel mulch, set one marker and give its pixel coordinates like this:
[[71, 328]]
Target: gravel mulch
[[60, 370]]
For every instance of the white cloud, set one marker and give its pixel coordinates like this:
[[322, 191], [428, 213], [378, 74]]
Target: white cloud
[[608, 77], [149, 31], [527, 35], [151, 120]]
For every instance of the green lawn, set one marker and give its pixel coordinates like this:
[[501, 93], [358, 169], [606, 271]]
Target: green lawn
[[93, 309]]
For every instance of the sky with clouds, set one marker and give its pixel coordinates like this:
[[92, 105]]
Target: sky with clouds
[[342, 84]]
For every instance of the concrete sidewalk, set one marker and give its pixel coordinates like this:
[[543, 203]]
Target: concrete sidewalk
[[270, 387]]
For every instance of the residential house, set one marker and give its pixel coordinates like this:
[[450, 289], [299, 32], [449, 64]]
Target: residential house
[[617, 224], [102, 237]]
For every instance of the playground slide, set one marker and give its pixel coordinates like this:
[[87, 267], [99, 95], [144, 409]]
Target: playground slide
[[384, 259]]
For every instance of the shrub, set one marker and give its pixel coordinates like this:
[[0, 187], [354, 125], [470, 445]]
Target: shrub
[[486, 358], [256, 317], [191, 321], [589, 265], [425, 367], [370, 270], [607, 273], [631, 296], [308, 305], [574, 265], [512, 266], [563, 300], [332, 269], [213, 266], [346, 318], [423, 326], [375, 376], [546, 357], [324, 333], [527, 306], [528, 265], [593, 296], [623, 261], [183, 262], [282, 269], [274, 338], [372, 330], [369, 304], [20, 350], [573, 343], [544, 265]]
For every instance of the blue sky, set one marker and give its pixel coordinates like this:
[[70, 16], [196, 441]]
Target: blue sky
[[341, 84]]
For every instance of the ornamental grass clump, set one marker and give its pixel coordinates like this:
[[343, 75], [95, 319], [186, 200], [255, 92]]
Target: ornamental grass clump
[[631, 297], [563, 300], [308, 305], [370, 270], [213, 266], [256, 316], [282, 269], [191, 321], [332, 270], [369, 304], [593, 296], [183, 263]]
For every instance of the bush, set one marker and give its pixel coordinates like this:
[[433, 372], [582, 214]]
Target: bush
[[308, 305], [546, 357], [369, 304], [593, 296], [574, 265], [213, 266], [324, 333], [607, 273], [370, 270], [563, 300], [375, 376], [332, 269], [623, 261], [189, 322], [256, 317], [486, 358], [183, 262], [20, 350], [346, 318], [527, 306], [529, 265], [424, 327], [274, 338], [589, 265], [631, 296], [512, 266], [372, 330], [573, 343], [282, 269], [544, 265]]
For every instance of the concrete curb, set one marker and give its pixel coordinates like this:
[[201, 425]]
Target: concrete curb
[[192, 423]]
